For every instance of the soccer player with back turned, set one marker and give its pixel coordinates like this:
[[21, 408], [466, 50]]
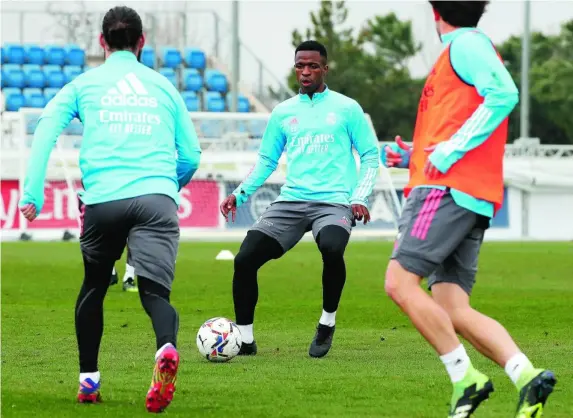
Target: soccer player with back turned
[[139, 148], [323, 192], [455, 189]]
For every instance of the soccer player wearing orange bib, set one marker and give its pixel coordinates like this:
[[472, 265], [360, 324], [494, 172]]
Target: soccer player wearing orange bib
[[455, 189]]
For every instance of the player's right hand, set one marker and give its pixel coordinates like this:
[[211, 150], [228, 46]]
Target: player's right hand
[[397, 154], [29, 211], [229, 205]]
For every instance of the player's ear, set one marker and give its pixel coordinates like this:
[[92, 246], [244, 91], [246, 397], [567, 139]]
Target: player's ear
[[325, 71], [437, 16], [141, 42], [102, 41]]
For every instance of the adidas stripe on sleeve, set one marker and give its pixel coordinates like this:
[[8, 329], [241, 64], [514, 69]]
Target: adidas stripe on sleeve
[[57, 114], [366, 144], [477, 63]]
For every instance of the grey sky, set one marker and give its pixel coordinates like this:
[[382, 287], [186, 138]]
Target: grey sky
[[266, 26]]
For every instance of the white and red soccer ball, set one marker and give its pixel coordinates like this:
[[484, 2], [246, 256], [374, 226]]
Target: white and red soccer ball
[[219, 339]]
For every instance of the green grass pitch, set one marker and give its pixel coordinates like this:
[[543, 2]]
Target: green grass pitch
[[378, 367]]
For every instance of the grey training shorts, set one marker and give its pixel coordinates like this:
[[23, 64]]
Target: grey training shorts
[[287, 222], [438, 239], [150, 226]]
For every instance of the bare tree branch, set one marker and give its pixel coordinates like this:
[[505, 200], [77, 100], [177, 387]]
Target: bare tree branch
[[77, 27]]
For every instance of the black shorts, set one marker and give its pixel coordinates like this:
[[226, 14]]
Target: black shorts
[[148, 224], [438, 239]]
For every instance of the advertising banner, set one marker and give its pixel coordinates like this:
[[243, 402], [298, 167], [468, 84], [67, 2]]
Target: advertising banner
[[199, 206]]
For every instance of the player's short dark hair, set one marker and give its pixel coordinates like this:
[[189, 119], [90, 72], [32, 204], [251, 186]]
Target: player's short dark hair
[[313, 46], [122, 28], [460, 13]]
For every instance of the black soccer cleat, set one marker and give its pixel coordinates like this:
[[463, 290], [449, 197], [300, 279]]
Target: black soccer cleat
[[469, 394], [248, 349], [129, 285], [534, 394], [113, 279], [322, 341]]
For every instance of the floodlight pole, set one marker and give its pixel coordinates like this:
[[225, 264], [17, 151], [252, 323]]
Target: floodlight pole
[[524, 113], [235, 47], [525, 65]]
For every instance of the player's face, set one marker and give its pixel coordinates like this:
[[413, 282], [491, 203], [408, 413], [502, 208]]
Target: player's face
[[310, 70]]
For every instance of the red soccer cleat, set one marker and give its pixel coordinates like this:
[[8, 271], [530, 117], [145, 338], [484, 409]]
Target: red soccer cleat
[[89, 392], [162, 388]]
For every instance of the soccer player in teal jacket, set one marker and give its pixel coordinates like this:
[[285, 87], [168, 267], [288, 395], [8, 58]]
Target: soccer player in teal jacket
[[139, 148], [323, 193]]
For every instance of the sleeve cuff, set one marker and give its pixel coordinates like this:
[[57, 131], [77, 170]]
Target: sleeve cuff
[[359, 202], [442, 162], [240, 197], [26, 200]]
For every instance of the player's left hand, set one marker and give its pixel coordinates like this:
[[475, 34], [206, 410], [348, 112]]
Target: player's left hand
[[360, 212], [430, 169], [29, 211], [229, 205]]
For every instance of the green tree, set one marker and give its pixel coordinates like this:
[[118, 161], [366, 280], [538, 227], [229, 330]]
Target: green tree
[[369, 65], [551, 84]]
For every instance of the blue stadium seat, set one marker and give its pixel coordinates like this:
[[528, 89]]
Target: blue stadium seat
[[15, 54], [215, 80], [170, 74], [214, 102], [13, 76], [31, 125], [148, 57], [2, 77], [170, 57], [3, 56], [34, 97], [192, 80], [71, 72], [195, 58], [88, 67], [34, 76], [257, 128], [49, 93], [34, 54], [54, 76], [191, 100], [211, 129], [74, 128], [240, 126], [55, 55], [14, 99], [242, 106], [75, 55]]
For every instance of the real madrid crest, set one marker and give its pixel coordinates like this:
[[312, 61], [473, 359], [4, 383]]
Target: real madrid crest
[[293, 125], [331, 118]]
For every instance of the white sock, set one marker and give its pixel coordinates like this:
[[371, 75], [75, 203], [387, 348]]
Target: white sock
[[516, 365], [129, 272], [94, 376], [161, 350], [113, 271], [246, 333], [328, 319], [457, 363]]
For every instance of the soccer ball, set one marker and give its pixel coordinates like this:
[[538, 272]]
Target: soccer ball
[[219, 340]]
